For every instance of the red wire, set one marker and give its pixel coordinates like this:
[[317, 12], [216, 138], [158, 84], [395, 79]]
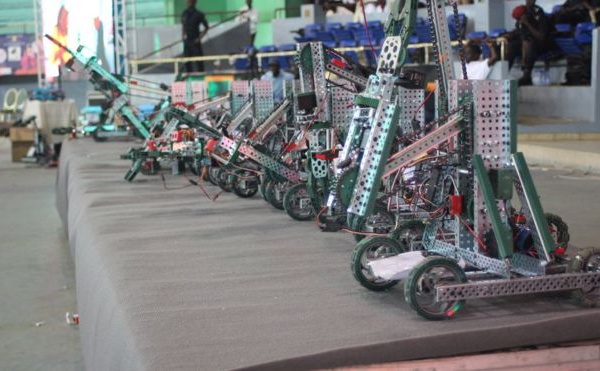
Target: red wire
[[423, 103], [362, 5], [474, 235]]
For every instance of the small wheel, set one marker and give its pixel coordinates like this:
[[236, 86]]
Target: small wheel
[[224, 179], [297, 203], [275, 192], [586, 261], [150, 167], [419, 288], [368, 250], [245, 184], [381, 221], [410, 235], [194, 167], [559, 230], [213, 175], [263, 187], [97, 137]]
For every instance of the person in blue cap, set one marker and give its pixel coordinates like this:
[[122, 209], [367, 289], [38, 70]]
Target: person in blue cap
[[278, 76]]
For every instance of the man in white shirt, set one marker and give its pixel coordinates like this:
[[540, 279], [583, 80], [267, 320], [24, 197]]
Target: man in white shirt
[[278, 76], [247, 14], [478, 69]]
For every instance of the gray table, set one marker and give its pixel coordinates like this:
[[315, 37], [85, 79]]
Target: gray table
[[169, 280]]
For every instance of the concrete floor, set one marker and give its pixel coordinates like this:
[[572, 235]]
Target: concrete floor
[[37, 280], [37, 273]]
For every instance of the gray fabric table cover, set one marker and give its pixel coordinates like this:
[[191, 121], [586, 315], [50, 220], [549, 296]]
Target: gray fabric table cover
[[169, 280]]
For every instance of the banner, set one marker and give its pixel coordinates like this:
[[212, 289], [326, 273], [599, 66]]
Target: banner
[[17, 55], [74, 23]]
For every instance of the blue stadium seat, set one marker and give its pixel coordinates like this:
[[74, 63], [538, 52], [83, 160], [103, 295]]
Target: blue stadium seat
[[266, 49], [424, 32], [286, 61], [377, 33], [563, 28], [310, 31], [477, 35], [242, 64], [354, 26], [348, 44], [370, 57], [583, 33], [371, 24], [342, 35], [286, 47], [462, 18], [568, 45], [556, 8], [360, 34], [325, 36], [333, 26], [497, 32]]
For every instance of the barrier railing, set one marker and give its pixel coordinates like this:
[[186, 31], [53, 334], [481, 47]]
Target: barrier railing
[[137, 65]]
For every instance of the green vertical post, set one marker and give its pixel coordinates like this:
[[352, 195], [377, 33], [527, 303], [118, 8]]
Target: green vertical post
[[503, 239]]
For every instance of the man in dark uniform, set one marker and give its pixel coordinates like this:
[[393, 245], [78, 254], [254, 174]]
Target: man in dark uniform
[[533, 36], [191, 19]]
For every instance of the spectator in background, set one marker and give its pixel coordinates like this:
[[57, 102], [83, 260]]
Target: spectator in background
[[534, 33], [191, 20], [575, 11], [478, 69], [335, 8], [247, 14], [277, 76]]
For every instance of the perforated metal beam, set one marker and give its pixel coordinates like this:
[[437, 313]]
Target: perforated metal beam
[[517, 286]]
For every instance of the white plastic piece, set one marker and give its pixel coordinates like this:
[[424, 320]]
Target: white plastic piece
[[396, 267]]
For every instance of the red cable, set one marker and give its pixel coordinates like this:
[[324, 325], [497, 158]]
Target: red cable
[[362, 5], [423, 103]]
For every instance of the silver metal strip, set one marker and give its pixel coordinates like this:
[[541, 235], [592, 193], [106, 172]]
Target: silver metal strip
[[517, 286]]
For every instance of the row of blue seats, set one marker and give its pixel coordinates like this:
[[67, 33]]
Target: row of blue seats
[[338, 32], [582, 35]]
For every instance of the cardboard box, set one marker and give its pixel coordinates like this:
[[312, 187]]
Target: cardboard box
[[21, 140], [19, 150], [21, 135]]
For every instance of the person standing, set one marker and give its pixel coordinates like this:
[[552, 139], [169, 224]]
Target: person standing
[[277, 76], [247, 14], [191, 19]]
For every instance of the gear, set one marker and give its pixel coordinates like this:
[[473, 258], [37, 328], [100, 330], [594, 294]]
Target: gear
[[345, 186]]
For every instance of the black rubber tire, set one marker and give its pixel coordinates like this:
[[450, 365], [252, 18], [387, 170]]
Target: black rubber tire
[[561, 229], [416, 282], [378, 210], [289, 199], [98, 138], [409, 232], [263, 187], [586, 260], [213, 173], [272, 195], [224, 180], [360, 256], [153, 169], [194, 167], [250, 186]]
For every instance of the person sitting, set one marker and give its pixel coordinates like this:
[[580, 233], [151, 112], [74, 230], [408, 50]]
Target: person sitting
[[575, 11], [478, 69], [277, 76], [535, 33]]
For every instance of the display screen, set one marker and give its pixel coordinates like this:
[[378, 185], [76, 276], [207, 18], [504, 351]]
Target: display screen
[[18, 55], [74, 23]]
